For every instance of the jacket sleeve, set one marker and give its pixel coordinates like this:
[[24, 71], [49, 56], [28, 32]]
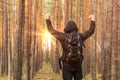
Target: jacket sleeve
[[88, 33], [55, 33]]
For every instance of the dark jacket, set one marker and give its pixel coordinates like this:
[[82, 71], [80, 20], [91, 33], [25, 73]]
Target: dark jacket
[[70, 27]]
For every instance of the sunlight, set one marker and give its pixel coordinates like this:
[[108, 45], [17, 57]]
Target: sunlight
[[47, 35], [46, 39]]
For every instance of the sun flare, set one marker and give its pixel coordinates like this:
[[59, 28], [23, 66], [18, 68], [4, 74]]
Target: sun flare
[[46, 39], [47, 35]]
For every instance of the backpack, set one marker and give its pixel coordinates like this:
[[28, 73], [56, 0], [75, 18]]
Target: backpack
[[74, 46]]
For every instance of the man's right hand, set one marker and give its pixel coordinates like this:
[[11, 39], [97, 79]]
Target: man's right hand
[[47, 16], [92, 17]]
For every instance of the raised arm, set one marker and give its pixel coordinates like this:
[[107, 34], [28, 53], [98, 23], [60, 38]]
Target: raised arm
[[91, 30], [55, 33]]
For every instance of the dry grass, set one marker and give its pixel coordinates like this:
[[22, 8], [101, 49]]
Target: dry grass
[[46, 73], [3, 78]]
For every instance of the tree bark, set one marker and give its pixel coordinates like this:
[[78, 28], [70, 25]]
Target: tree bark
[[2, 53], [9, 44], [94, 7], [118, 35], [114, 41], [33, 37], [18, 39]]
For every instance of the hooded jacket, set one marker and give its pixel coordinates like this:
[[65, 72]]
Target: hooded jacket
[[69, 28]]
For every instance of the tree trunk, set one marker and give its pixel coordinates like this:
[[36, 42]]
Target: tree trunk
[[9, 45], [94, 6], [2, 53], [106, 72], [70, 9], [5, 49], [57, 24], [66, 11], [18, 39], [33, 37], [118, 35], [27, 41], [114, 41]]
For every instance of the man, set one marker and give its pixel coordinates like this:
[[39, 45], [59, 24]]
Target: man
[[72, 43]]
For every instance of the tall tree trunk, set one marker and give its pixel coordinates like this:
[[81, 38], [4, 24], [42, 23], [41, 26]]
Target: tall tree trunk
[[9, 44], [57, 24], [18, 52], [2, 53], [106, 72], [114, 41], [5, 48], [41, 19], [118, 35], [33, 37], [102, 30], [94, 6], [79, 16], [70, 9], [66, 11], [27, 41]]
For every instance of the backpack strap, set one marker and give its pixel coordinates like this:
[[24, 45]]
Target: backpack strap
[[69, 38]]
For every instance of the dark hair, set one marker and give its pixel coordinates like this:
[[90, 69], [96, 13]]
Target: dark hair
[[71, 26]]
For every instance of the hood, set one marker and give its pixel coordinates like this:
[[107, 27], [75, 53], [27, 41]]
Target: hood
[[70, 27]]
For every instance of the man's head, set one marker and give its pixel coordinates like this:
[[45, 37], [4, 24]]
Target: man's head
[[71, 27]]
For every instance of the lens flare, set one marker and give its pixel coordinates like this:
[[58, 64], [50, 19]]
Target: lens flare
[[46, 39], [47, 35]]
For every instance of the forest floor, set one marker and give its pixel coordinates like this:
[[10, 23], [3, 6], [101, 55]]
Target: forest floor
[[3, 78], [46, 73]]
